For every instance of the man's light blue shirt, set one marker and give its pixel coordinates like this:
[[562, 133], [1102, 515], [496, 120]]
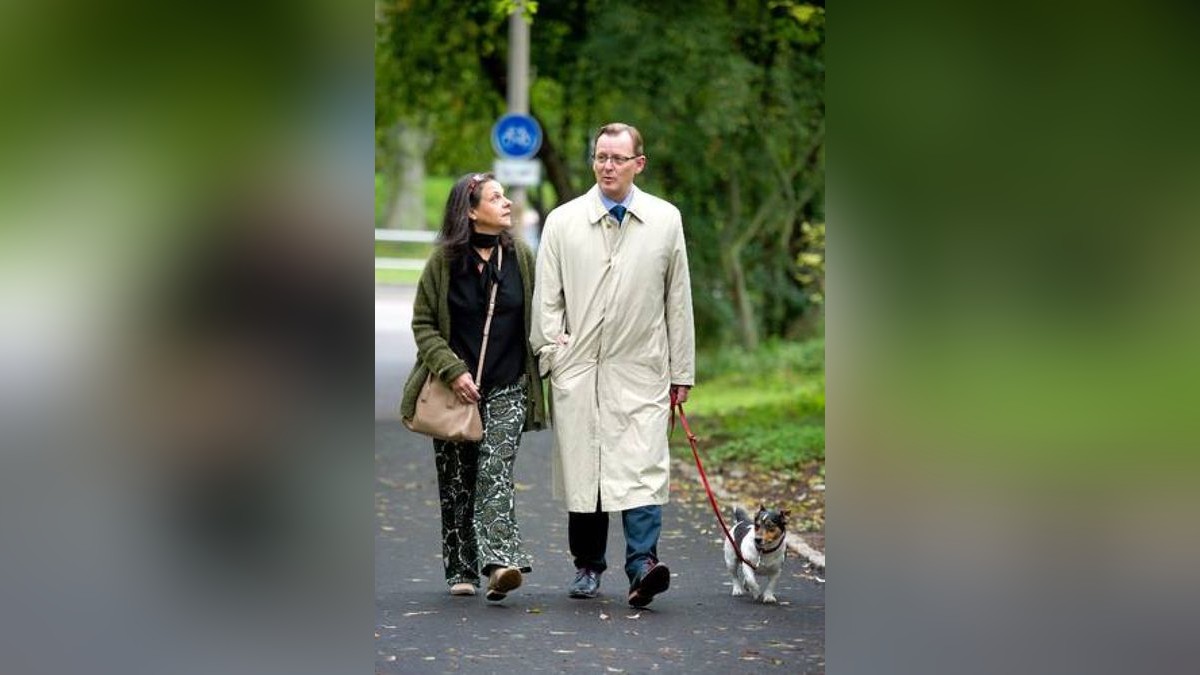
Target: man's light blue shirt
[[608, 203]]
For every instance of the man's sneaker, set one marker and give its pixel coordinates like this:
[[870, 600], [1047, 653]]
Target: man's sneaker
[[654, 579], [586, 584], [462, 588], [501, 581]]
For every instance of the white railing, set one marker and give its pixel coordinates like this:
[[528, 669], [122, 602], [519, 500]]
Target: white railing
[[411, 236], [416, 236]]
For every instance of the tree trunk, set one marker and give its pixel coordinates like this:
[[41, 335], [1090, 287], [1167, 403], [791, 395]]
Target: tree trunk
[[747, 324], [557, 171], [735, 273], [406, 208]]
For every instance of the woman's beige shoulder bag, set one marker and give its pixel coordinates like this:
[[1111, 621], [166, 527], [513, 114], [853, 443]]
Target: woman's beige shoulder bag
[[440, 414]]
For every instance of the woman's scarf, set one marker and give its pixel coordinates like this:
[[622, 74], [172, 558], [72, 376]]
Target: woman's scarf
[[490, 274]]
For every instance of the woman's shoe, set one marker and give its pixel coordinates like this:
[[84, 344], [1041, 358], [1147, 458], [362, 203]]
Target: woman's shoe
[[462, 588], [501, 581]]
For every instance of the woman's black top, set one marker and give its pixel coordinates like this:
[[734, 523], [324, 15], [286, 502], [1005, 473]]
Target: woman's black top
[[469, 292]]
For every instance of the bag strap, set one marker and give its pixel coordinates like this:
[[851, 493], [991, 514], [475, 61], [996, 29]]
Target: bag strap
[[487, 324]]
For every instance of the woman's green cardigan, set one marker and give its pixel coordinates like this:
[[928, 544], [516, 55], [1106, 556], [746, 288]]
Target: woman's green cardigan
[[431, 329]]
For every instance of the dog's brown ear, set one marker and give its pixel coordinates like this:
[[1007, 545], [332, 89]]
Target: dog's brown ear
[[783, 516], [761, 507]]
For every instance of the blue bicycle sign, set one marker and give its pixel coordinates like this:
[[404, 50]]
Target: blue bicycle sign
[[516, 136]]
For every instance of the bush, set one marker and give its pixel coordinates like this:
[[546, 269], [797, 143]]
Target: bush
[[807, 357]]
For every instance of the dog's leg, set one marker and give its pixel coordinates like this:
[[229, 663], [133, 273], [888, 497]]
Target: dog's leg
[[734, 568], [768, 594], [735, 573], [751, 582]]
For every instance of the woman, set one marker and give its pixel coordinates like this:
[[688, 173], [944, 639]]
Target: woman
[[475, 479]]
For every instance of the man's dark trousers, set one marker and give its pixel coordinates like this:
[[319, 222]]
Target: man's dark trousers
[[587, 535]]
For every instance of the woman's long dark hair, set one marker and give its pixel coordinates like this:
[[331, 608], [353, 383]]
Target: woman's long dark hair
[[457, 225]]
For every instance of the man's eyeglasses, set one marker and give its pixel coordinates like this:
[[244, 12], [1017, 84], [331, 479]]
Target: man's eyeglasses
[[617, 160]]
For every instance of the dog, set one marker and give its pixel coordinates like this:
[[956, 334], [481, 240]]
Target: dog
[[765, 550]]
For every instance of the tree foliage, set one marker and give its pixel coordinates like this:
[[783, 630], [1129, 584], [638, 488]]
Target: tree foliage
[[728, 94], [428, 76]]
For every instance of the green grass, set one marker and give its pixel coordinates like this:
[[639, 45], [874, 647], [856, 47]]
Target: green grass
[[397, 277], [402, 249], [807, 357], [390, 249], [766, 407], [380, 200]]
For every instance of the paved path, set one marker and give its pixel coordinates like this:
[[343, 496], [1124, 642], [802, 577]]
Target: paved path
[[394, 347], [696, 627]]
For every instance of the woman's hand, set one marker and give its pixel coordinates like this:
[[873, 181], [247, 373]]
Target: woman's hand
[[464, 387]]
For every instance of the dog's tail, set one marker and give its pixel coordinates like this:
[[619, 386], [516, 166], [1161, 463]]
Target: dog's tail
[[740, 515]]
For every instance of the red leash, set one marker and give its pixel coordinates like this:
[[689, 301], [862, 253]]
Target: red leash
[[676, 406]]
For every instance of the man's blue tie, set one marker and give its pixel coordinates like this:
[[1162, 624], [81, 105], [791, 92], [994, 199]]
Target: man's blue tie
[[618, 212]]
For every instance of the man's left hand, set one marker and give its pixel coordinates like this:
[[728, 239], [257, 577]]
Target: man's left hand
[[680, 392]]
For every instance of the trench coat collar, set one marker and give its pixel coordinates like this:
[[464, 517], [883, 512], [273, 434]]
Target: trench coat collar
[[596, 210]]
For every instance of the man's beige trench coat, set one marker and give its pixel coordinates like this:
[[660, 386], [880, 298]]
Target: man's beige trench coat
[[625, 314]]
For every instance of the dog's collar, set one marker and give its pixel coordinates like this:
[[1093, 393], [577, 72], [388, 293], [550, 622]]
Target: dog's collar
[[771, 550]]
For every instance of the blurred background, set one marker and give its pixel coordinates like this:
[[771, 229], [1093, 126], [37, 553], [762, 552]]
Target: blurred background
[[185, 443]]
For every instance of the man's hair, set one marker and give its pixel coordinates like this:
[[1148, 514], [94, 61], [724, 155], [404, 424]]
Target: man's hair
[[615, 129]]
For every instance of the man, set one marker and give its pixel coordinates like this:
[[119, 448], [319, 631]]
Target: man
[[613, 329]]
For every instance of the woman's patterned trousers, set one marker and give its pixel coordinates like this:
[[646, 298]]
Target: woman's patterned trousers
[[475, 486]]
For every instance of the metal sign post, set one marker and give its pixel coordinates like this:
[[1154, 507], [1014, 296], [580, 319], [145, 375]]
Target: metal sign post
[[521, 132]]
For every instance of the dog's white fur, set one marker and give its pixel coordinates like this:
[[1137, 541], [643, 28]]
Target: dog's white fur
[[768, 565]]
